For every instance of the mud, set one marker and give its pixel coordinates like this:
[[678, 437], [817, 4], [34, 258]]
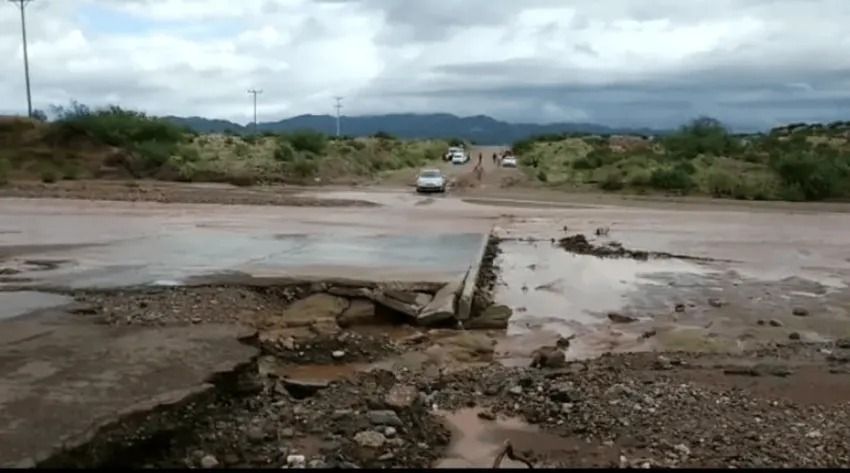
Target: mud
[[579, 244]]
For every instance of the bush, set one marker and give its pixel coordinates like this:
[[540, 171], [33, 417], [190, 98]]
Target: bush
[[671, 179], [456, 142], [153, 154], [250, 139], [284, 152], [4, 171], [241, 150], [702, 136], [49, 175], [70, 172], [613, 182], [304, 168], [720, 183], [640, 178], [585, 163], [811, 176], [306, 140], [542, 176], [115, 126]]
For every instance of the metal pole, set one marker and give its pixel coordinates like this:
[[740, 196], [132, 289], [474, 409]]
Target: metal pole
[[338, 108], [22, 4], [255, 92]]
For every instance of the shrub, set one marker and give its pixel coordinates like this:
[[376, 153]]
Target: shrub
[[671, 179], [306, 140], [702, 136], [49, 175], [70, 172], [811, 176], [304, 168], [455, 142], [613, 181], [241, 150], [686, 167], [250, 139], [284, 152], [542, 176], [115, 126], [153, 154], [4, 171], [228, 140], [640, 178], [585, 163]]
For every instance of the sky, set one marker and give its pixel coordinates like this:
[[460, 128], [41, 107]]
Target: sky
[[652, 63]]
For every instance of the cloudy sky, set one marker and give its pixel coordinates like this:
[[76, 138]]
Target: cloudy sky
[[751, 63]]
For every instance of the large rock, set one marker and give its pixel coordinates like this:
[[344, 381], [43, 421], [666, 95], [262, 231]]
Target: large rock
[[370, 439], [315, 309], [441, 308], [494, 317], [413, 298], [353, 292], [384, 417], [401, 396], [360, 312], [548, 357]]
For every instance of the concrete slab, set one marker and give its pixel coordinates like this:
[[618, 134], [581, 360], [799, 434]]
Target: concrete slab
[[62, 378]]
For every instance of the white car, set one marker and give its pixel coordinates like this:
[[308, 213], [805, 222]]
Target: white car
[[509, 162], [460, 158], [431, 180]]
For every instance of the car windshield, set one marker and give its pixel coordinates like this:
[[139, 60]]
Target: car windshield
[[430, 174]]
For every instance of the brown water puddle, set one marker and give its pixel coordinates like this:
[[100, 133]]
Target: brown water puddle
[[271, 366], [476, 442]]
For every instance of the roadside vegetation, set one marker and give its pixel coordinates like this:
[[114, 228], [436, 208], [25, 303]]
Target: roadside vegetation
[[114, 142], [798, 162]]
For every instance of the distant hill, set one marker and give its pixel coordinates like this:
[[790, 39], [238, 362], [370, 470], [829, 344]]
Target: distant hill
[[480, 128]]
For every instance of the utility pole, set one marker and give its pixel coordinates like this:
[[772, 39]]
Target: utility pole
[[255, 92], [338, 107], [22, 4]]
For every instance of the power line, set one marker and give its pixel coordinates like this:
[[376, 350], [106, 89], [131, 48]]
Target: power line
[[338, 107], [22, 4], [255, 92]]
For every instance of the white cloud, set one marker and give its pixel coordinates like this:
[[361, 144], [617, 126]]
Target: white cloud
[[530, 60]]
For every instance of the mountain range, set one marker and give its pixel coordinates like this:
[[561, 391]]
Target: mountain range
[[479, 129]]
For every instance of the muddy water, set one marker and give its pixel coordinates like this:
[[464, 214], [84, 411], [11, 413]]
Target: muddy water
[[172, 258], [551, 289], [17, 303], [476, 442]]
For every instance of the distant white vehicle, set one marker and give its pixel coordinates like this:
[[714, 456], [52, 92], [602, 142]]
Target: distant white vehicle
[[509, 162], [431, 180], [460, 158], [452, 151]]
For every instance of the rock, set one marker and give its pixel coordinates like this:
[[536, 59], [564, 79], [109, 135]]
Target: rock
[[384, 417], [679, 308], [742, 371], [317, 463], [370, 439], [843, 343], [814, 434], [548, 357], [390, 432], [564, 342], [359, 312], [648, 334], [714, 302], [800, 312], [774, 323], [231, 459], [255, 434], [494, 317], [619, 318], [209, 461], [296, 461], [287, 433], [401, 396], [515, 390], [563, 392], [315, 309], [408, 309], [351, 292], [80, 308], [487, 415], [303, 387], [682, 449], [337, 354], [794, 336], [442, 307], [760, 322], [386, 457], [663, 363]]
